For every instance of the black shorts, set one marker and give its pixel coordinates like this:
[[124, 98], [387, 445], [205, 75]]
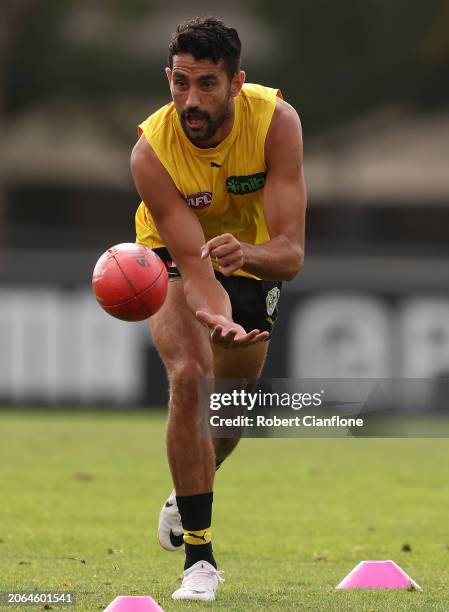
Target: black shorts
[[254, 302]]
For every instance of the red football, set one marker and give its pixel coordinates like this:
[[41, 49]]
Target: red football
[[130, 282]]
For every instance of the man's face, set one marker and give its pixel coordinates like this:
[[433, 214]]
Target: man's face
[[201, 92]]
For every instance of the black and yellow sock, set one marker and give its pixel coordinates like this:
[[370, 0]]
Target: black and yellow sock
[[196, 517]]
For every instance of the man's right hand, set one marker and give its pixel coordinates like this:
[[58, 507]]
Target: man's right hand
[[226, 333]]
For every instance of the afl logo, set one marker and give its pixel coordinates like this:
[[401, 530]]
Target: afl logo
[[200, 200]]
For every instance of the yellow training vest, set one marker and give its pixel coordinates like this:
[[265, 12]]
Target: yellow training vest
[[223, 185]]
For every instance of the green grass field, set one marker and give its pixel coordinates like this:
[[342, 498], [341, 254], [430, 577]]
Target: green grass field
[[81, 493]]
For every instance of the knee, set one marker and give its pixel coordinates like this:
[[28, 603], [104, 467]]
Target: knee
[[184, 378], [186, 373]]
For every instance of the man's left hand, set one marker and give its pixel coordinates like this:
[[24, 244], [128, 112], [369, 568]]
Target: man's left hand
[[228, 252], [228, 334]]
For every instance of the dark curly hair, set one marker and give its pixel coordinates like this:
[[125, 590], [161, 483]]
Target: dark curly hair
[[207, 38]]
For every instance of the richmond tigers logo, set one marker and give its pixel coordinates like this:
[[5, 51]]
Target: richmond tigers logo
[[272, 300]]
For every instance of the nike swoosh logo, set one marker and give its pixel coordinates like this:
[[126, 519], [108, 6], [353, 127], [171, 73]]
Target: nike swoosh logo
[[168, 505], [176, 540]]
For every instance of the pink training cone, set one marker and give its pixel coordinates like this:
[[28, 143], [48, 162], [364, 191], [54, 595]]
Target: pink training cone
[[377, 575], [133, 603]]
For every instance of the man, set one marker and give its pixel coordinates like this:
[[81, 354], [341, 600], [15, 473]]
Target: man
[[220, 174]]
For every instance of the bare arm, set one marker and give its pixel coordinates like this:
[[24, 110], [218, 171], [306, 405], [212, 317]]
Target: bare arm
[[281, 257], [181, 231]]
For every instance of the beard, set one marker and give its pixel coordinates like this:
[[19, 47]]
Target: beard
[[210, 125]]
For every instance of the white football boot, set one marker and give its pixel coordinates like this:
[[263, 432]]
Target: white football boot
[[200, 583], [169, 531]]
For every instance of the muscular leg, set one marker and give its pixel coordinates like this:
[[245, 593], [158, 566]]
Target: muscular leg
[[185, 349], [184, 346], [236, 363]]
